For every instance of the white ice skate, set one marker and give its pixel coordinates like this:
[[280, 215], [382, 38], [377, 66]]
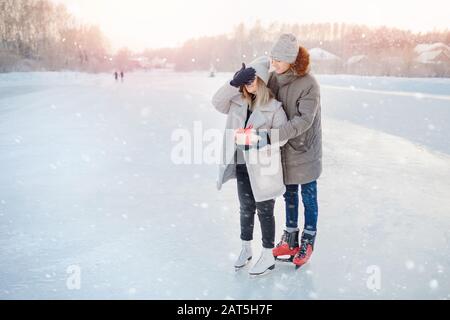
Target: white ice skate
[[266, 262], [245, 256]]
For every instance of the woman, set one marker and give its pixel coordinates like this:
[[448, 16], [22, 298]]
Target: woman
[[248, 157], [299, 93]]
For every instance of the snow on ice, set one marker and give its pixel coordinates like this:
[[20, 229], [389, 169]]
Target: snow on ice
[[87, 187]]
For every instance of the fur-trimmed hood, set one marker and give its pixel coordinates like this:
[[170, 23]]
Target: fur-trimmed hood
[[302, 64]]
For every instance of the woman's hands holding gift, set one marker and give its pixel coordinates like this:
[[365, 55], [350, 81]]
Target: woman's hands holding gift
[[250, 138], [245, 138]]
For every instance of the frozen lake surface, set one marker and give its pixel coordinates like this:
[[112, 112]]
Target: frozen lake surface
[[87, 182]]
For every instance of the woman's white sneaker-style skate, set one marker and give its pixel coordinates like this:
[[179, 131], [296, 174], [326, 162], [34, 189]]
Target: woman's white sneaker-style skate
[[245, 256], [266, 262]]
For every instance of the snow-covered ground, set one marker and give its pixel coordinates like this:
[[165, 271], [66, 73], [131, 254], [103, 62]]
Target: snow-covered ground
[[87, 183]]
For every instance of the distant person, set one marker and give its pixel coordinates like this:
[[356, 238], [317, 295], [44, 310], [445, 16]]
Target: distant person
[[122, 75], [116, 75]]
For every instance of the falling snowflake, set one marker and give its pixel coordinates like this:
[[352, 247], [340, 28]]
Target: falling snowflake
[[132, 291], [313, 295], [409, 265], [434, 284], [145, 112]]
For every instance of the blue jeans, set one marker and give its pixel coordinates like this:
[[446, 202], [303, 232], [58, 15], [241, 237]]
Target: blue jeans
[[309, 199]]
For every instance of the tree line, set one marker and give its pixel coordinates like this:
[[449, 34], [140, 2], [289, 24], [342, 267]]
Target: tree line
[[388, 51], [42, 35], [39, 34]]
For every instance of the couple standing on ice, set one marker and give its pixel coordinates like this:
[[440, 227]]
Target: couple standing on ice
[[275, 118]]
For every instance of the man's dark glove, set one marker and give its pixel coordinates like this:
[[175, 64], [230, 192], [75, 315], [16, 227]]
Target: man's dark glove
[[243, 76]]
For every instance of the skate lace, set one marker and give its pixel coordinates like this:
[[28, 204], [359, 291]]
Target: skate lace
[[283, 241], [303, 248]]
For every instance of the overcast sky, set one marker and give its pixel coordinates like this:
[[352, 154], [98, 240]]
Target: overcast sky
[[138, 24]]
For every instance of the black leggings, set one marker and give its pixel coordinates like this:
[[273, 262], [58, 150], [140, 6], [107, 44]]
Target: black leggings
[[248, 207]]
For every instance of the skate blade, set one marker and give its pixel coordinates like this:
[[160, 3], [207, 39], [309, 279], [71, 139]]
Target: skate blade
[[243, 266], [299, 266], [268, 270], [290, 259]]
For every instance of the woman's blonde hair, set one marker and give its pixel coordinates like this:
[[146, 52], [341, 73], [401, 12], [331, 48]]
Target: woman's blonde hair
[[262, 96]]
